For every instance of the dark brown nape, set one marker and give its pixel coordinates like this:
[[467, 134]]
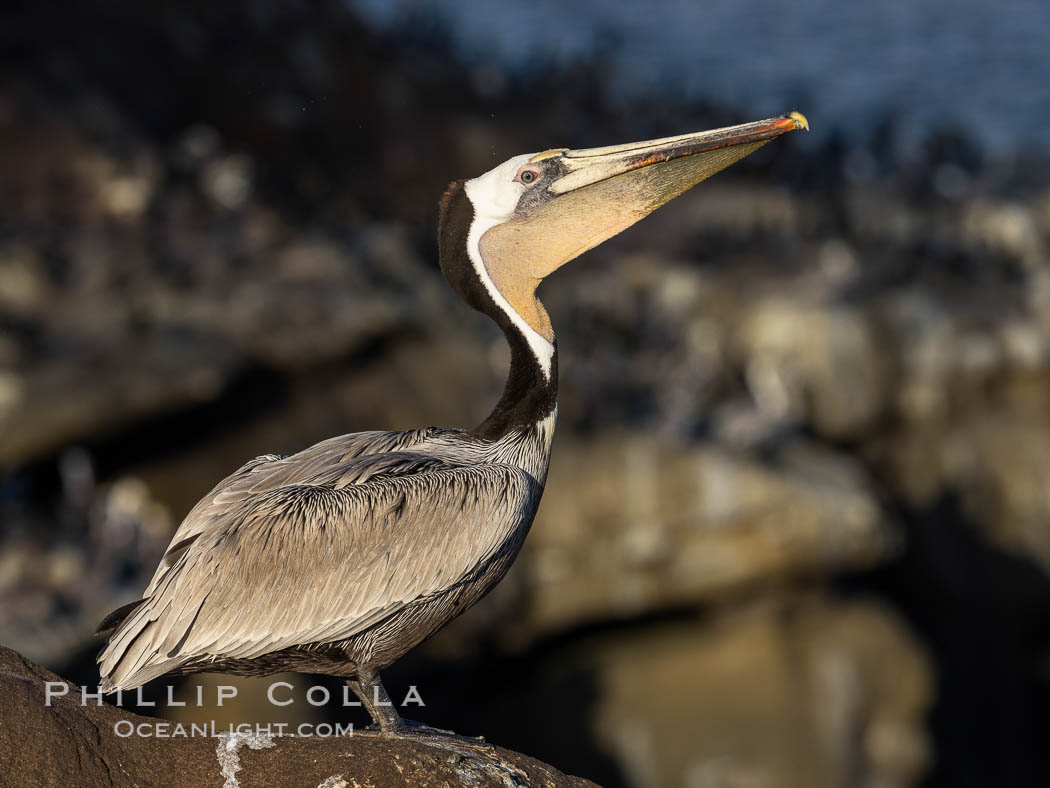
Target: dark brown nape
[[528, 396]]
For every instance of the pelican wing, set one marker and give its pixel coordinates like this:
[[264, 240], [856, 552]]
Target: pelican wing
[[306, 563], [272, 471]]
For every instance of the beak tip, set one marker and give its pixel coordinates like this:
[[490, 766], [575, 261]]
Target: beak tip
[[801, 122]]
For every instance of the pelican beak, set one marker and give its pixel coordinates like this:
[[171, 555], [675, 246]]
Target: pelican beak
[[708, 151], [592, 194]]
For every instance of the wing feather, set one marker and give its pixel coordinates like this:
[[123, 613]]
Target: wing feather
[[272, 471], [277, 566]]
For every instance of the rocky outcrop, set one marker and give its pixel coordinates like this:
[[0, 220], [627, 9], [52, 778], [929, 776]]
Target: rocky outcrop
[[791, 693], [72, 743]]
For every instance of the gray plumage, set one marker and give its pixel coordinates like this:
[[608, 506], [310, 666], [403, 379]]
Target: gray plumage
[[319, 561]]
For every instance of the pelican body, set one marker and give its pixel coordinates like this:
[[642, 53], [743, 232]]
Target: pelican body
[[341, 558]]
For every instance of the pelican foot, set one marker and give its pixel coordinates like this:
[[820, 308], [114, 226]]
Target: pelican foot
[[425, 734], [411, 727]]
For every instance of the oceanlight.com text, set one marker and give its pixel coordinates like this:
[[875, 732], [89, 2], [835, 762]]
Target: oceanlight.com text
[[166, 729]]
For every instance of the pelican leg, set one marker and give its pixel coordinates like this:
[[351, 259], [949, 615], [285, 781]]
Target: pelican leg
[[375, 699], [373, 695]]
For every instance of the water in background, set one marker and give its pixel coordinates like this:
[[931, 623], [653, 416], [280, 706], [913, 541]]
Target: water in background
[[969, 65]]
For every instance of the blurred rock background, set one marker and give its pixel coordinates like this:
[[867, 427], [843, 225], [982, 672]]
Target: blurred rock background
[[797, 527]]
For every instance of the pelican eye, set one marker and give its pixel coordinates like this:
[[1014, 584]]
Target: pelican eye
[[528, 174]]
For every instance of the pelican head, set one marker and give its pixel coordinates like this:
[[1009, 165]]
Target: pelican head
[[510, 228]]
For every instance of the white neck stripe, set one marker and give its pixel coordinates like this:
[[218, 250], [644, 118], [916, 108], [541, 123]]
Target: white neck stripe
[[541, 348]]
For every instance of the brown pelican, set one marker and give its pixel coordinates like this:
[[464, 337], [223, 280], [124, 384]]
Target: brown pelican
[[341, 558]]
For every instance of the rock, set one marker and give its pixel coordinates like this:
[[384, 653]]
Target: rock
[[68, 743], [132, 380], [815, 364], [56, 585], [796, 692], [183, 293], [999, 463]]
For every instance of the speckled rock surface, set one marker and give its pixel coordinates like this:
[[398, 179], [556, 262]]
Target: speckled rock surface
[[70, 744]]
